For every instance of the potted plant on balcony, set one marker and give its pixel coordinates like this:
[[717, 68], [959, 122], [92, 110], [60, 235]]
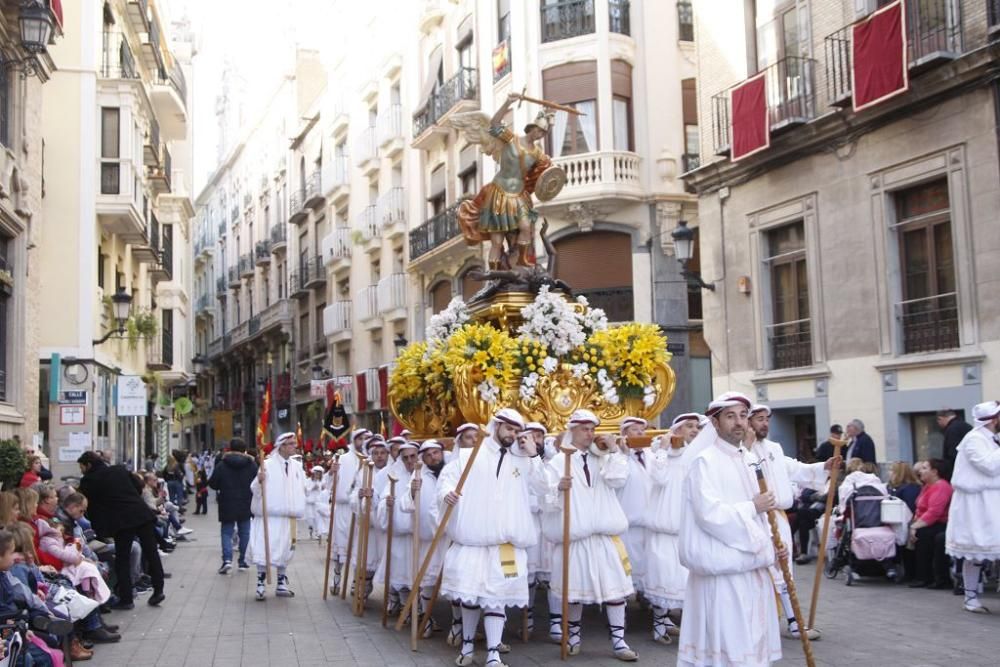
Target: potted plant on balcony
[[140, 325]]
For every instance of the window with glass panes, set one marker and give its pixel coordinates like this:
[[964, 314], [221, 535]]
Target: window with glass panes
[[789, 334]]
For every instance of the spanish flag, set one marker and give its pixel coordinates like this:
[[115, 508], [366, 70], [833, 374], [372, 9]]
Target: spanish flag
[[265, 417]]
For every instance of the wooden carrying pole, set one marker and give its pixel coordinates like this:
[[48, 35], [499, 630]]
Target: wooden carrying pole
[[428, 614], [411, 600], [417, 576], [786, 571], [821, 559], [345, 573], [364, 532], [267, 532], [329, 535], [391, 510], [568, 474]]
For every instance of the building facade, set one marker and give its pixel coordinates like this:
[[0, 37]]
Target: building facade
[[853, 257], [118, 213], [23, 74], [629, 69]]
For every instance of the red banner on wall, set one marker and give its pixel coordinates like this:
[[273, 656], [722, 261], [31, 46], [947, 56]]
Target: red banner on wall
[[362, 395], [749, 132], [878, 56]]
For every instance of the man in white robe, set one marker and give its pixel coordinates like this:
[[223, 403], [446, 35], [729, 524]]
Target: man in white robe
[[599, 568], [378, 455], [401, 571], [666, 578], [345, 469], [314, 488], [634, 497], [781, 473], [973, 531], [539, 555], [283, 483], [425, 484], [485, 568], [730, 615]]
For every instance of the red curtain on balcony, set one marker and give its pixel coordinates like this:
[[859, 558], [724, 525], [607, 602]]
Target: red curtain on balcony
[[362, 395], [748, 102], [878, 56], [383, 386]]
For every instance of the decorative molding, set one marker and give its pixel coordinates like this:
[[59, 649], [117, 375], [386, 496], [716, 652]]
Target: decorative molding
[[971, 374], [821, 387], [582, 215], [762, 393], [668, 213], [889, 381]]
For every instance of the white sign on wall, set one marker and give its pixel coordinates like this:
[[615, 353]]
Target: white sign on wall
[[131, 396]]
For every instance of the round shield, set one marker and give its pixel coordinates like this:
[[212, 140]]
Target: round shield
[[550, 183]]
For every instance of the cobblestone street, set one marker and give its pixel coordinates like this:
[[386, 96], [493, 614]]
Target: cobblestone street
[[210, 619]]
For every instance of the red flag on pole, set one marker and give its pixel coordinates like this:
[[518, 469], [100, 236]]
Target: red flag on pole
[[265, 418], [878, 56]]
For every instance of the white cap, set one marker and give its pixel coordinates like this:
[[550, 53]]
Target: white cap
[[510, 416], [429, 444], [727, 400], [280, 440], [535, 426], [356, 433], [316, 469], [582, 416], [984, 412], [760, 407], [375, 441], [405, 433], [408, 445], [396, 440], [632, 421], [687, 416], [469, 426]]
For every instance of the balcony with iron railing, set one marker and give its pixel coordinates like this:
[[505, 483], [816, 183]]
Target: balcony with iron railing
[[234, 214], [463, 87], [390, 212], [117, 60], [297, 284], [296, 207], [371, 233], [164, 268], [221, 287], [791, 100], [368, 313], [160, 351], [392, 297], [564, 19], [262, 253], [389, 129], [435, 232], [685, 21], [159, 176], [366, 150], [314, 190], [613, 176], [233, 273], [169, 97], [138, 14], [337, 321], [151, 145], [790, 344], [246, 265], [279, 237], [928, 324], [314, 272], [339, 186], [336, 248], [933, 35]]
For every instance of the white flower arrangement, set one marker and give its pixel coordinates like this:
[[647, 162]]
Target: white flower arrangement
[[648, 395], [549, 364], [449, 320], [554, 322], [607, 387], [528, 386], [488, 391], [579, 370]]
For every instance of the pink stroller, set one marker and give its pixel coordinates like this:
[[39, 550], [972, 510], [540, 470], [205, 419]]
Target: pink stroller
[[867, 547]]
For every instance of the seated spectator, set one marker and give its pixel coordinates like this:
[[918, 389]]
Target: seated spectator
[[812, 506], [930, 520], [32, 475], [903, 484], [859, 473], [10, 508]]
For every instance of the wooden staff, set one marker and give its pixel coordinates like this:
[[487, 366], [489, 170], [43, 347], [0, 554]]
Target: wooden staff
[[545, 103], [263, 513], [329, 535], [785, 571], [364, 532], [821, 559], [345, 573], [567, 473], [426, 621], [417, 576], [388, 552], [411, 601]]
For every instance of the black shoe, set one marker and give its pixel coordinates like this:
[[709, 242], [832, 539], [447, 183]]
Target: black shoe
[[921, 584], [123, 606], [940, 586], [167, 575], [105, 608], [86, 643], [145, 579], [156, 599], [53, 626], [101, 636], [110, 627]]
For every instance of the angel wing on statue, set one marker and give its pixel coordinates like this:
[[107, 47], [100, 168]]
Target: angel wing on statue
[[503, 210]]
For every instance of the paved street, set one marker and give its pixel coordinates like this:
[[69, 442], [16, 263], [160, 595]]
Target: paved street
[[213, 620]]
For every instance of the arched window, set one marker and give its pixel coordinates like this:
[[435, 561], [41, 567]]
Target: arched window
[[598, 265], [440, 296], [469, 285]]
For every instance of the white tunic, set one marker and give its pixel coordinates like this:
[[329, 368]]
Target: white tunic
[[429, 518], [350, 465], [401, 573], [313, 488], [321, 520], [634, 497], [597, 571], [974, 516], [493, 510], [286, 499], [730, 616], [376, 536], [782, 473], [666, 578]]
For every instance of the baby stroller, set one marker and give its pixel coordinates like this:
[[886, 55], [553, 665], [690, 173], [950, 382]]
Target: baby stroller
[[866, 547]]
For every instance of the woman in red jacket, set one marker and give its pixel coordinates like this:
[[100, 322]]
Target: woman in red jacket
[[31, 476], [929, 524]]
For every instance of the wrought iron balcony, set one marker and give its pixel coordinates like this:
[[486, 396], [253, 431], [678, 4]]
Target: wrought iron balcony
[[392, 296], [690, 162], [159, 176], [279, 236], [790, 344], [619, 16], [246, 265], [462, 86], [314, 272], [434, 233], [233, 274], [297, 283], [337, 320], [314, 190], [160, 351], [337, 246], [296, 207], [566, 18], [117, 61], [929, 324], [262, 253], [366, 148], [391, 208], [253, 325], [221, 286], [685, 21], [368, 223]]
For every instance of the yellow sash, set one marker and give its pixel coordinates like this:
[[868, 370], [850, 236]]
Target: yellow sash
[[622, 554], [508, 561]]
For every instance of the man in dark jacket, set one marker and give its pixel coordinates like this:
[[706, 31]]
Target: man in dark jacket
[[825, 449], [231, 478], [862, 446], [116, 509], [954, 429]]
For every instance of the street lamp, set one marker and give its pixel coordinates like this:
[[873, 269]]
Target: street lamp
[[400, 342], [121, 302], [198, 363], [684, 249], [35, 21], [317, 372]]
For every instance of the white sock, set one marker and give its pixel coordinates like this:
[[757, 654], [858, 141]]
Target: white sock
[[493, 620], [971, 571], [470, 621], [555, 615], [456, 612], [575, 614], [786, 605], [660, 622], [616, 624]]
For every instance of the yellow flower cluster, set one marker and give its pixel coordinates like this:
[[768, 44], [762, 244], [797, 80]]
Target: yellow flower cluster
[[407, 385], [629, 353], [440, 386], [529, 357], [489, 349]]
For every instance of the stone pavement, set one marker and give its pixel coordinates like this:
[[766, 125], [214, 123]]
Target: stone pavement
[[210, 619]]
